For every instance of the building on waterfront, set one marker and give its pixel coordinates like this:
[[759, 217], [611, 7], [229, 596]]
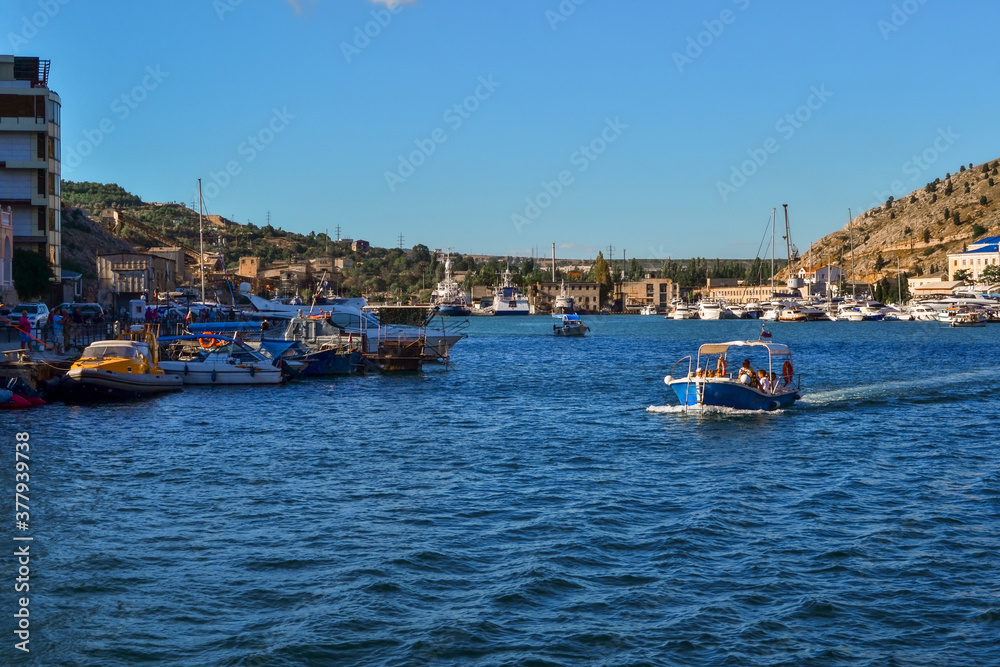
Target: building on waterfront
[[289, 278], [932, 285], [30, 154], [735, 291], [977, 256], [542, 296], [650, 291], [132, 275], [360, 246]]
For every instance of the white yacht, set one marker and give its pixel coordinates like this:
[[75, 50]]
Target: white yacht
[[564, 304], [922, 312], [449, 297], [710, 310], [508, 299], [682, 311]]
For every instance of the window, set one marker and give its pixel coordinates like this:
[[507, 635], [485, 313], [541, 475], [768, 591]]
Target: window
[[649, 289], [52, 220], [663, 288], [40, 145], [41, 181], [52, 184]]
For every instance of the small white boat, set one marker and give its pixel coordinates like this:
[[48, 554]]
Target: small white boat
[[648, 309], [569, 325], [213, 359], [683, 311]]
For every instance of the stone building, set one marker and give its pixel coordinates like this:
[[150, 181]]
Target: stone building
[[125, 276]]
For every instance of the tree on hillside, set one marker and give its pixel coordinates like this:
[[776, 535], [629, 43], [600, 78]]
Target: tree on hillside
[[31, 274], [600, 273]]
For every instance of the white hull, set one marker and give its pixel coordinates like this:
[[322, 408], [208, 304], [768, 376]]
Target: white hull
[[223, 374]]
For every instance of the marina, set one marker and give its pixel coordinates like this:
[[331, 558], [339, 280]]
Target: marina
[[429, 530]]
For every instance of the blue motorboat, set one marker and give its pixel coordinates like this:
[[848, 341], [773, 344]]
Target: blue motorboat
[[710, 382], [568, 324]]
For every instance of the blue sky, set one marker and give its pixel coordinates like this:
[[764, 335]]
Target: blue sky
[[664, 128]]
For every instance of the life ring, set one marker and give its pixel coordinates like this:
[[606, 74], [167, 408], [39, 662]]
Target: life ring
[[721, 368], [787, 372], [209, 343]]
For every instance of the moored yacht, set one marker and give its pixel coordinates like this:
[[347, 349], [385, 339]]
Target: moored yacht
[[449, 297], [508, 299]]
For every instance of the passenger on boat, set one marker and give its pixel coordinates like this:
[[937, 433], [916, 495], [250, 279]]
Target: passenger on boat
[[700, 372], [765, 382], [775, 386], [746, 373]]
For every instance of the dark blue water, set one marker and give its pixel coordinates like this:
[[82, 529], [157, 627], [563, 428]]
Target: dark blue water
[[530, 507]]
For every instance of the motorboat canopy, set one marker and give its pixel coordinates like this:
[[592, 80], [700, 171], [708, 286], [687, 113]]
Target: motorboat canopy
[[773, 349]]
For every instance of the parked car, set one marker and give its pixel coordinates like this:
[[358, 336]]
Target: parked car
[[91, 312], [38, 314]]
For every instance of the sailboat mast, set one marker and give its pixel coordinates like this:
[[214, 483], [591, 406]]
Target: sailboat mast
[[899, 282], [788, 241], [201, 237], [553, 262], [850, 225], [774, 219]]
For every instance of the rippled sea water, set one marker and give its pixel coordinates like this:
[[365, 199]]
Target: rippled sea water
[[539, 503]]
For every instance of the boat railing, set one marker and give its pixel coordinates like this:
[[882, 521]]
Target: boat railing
[[679, 362]]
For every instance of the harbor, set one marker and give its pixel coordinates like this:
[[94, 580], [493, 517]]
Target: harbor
[[494, 503]]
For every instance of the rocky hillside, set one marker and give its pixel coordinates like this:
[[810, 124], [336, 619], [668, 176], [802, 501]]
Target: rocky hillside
[[83, 238], [919, 229]]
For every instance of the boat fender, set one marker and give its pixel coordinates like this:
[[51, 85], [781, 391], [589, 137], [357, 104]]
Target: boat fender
[[787, 372], [773, 406], [213, 375], [186, 369], [253, 370], [721, 367]]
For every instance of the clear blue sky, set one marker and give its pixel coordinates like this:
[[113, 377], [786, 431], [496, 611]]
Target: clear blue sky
[[330, 113]]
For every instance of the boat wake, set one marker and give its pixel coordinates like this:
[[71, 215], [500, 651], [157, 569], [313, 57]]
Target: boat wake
[[705, 410], [892, 388]]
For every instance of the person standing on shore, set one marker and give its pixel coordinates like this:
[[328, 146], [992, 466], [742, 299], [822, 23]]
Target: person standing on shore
[[24, 326]]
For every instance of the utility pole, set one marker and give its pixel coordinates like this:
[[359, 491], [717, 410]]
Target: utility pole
[[338, 232], [401, 241]]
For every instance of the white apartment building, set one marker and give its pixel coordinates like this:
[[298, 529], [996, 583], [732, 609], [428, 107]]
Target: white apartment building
[[979, 255], [30, 152]]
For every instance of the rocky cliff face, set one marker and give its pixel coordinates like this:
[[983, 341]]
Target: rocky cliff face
[[83, 238], [919, 229]]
